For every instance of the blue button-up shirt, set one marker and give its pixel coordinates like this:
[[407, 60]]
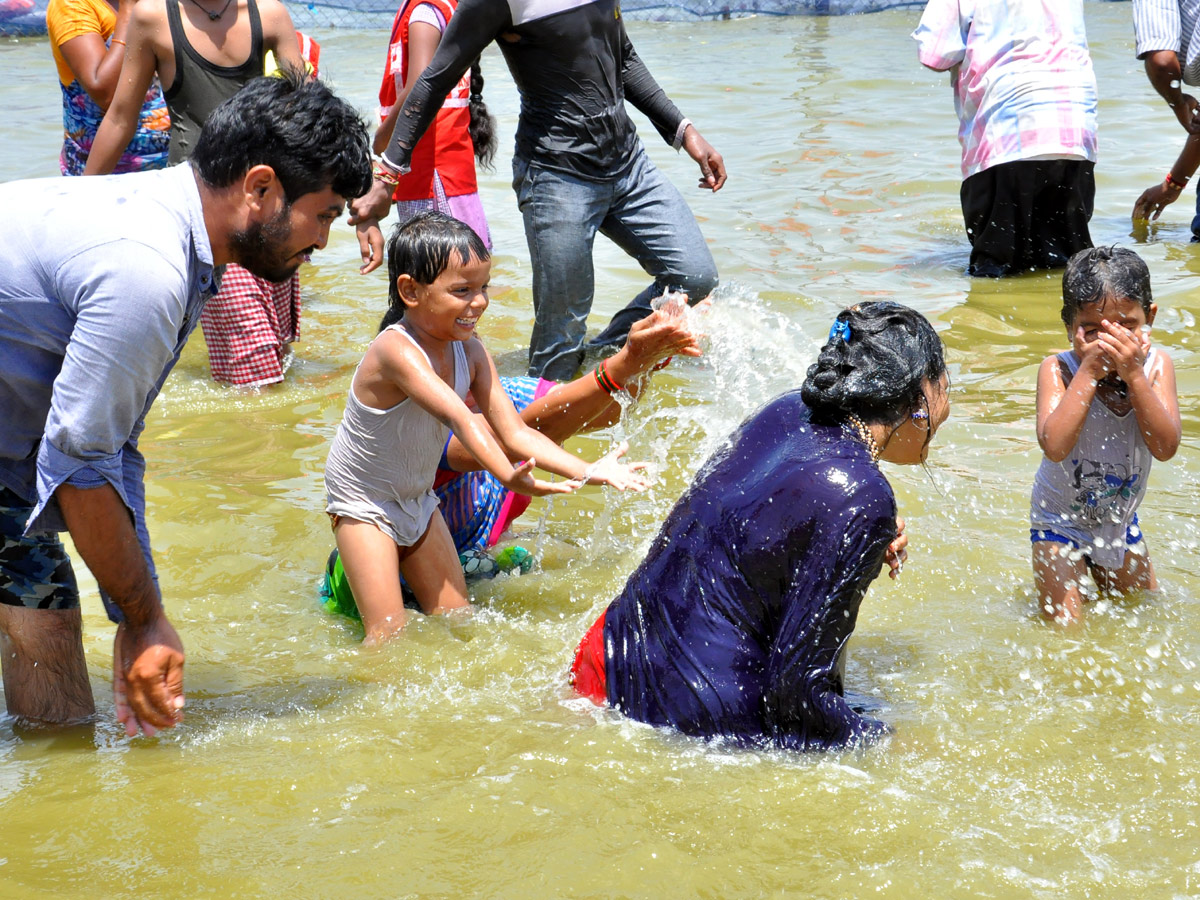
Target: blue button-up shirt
[[102, 280]]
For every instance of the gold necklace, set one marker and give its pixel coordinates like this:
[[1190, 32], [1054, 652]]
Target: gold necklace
[[856, 425]]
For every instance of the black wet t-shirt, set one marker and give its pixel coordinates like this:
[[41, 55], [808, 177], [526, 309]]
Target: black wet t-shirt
[[574, 66]]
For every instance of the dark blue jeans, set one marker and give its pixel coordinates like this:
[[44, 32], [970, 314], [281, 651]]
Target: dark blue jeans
[[642, 213]]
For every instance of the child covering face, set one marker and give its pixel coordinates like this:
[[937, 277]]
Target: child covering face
[[1106, 409], [407, 393]]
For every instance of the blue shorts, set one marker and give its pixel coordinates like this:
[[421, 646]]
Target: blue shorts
[[35, 571], [1133, 537]]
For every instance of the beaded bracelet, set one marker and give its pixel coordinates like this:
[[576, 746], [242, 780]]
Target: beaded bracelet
[[605, 380], [1171, 180], [384, 174]]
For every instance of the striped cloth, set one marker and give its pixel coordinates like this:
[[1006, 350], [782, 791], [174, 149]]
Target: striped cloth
[[1023, 81], [1170, 25], [476, 506], [248, 327]]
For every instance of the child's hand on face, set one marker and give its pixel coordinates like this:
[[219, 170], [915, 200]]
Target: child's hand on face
[[1125, 350], [1093, 358], [609, 470], [521, 481]]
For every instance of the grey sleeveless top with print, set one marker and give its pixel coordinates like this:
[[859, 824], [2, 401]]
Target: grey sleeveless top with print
[[383, 462], [1091, 496]]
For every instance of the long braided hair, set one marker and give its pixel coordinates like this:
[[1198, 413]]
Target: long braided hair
[[483, 126]]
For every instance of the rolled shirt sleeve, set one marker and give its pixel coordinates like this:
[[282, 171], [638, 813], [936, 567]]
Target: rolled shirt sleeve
[[131, 320], [941, 36], [1157, 26]]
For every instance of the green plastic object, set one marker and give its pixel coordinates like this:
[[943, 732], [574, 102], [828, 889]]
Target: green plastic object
[[514, 558], [336, 595], [337, 598]]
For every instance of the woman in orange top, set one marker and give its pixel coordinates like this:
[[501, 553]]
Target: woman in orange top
[[87, 38]]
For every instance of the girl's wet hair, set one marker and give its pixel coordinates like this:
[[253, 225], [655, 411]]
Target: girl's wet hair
[[1100, 274], [875, 365], [421, 248]]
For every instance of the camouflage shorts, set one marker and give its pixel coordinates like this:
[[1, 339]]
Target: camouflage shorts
[[34, 571]]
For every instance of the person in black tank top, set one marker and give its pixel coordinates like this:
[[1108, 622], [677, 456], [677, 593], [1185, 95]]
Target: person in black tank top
[[158, 43], [250, 326], [200, 86]]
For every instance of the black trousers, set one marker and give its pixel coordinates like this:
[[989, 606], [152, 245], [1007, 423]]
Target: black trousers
[[1029, 214]]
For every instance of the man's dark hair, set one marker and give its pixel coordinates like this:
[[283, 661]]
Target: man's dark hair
[[1100, 274], [421, 249], [874, 365], [311, 138]]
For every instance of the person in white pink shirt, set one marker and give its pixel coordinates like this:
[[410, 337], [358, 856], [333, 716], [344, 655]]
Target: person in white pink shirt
[[1025, 94]]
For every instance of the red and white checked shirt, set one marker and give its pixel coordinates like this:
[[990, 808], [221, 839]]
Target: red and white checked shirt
[[248, 326]]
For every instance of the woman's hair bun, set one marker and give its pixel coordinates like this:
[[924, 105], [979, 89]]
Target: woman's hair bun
[[874, 365]]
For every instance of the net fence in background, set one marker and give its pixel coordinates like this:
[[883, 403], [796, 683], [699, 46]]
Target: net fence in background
[[378, 13], [28, 17]]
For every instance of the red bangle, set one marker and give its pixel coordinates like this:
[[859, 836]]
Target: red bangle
[[605, 380], [1180, 183]]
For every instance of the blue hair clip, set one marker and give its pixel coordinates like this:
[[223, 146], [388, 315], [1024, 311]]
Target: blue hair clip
[[841, 328]]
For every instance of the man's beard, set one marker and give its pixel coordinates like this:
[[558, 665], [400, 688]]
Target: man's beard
[[262, 248]]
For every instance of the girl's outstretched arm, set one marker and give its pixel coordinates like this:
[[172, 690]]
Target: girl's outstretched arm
[[401, 364], [1062, 408], [522, 442], [583, 404]]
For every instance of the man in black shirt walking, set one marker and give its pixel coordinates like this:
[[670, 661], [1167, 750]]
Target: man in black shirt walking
[[579, 165]]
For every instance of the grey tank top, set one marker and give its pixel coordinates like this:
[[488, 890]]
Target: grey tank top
[[383, 462], [1092, 495], [201, 86]]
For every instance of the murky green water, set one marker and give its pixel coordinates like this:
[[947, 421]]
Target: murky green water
[[1027, 763]]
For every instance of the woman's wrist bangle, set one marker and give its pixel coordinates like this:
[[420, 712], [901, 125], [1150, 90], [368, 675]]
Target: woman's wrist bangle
[[118, 41], [1174, 182], [605, 380]]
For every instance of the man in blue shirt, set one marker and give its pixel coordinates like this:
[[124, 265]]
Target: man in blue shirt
[[101, 283]]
